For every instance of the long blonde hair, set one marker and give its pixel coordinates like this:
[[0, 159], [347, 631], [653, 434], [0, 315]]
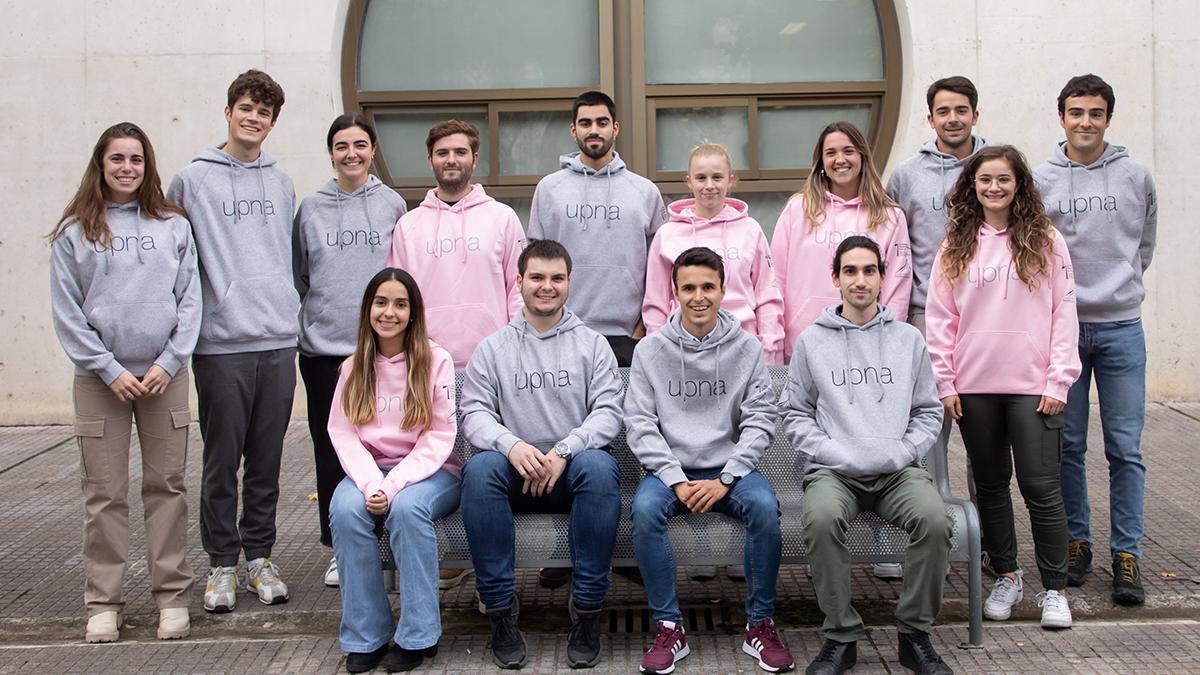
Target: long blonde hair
[[870, 187], [358, 395]]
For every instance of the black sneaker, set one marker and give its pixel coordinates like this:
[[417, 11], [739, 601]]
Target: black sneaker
[[507, 642], [918, 655], [364, 662], [554, 577], [835, 658], [1127, 580], [1079, 562], [583, 640], [399, 659]]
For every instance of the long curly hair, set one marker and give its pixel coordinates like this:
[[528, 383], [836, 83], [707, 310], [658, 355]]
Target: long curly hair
[[1030, 233], [870, 187]]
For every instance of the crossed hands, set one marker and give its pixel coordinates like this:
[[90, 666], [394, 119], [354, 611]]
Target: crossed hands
[[128, 388], [700, 495], [540, 471]]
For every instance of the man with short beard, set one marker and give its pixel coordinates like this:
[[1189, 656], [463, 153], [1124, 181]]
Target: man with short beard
[[606, 216]]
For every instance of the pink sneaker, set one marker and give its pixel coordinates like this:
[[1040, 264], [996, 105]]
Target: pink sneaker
[[764, 644], [670, 645]]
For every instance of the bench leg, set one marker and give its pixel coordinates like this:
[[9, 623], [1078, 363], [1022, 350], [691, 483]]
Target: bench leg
[[974, 575]]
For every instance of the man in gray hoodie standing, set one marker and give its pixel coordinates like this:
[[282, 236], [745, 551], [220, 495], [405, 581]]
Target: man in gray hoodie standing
[[240, 205], [699, 413], [606, 216], [1103, 202], [541, 402], [861, 407]]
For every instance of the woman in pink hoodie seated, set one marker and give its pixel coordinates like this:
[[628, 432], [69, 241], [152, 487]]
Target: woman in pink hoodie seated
[[392, 425], [712, 219], [843, 196], [1003, 337]]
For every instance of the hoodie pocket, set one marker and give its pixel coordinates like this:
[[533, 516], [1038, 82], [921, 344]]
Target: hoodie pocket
[[1107, 283], [254, 307], [1007, 361], [863, 456], [607, 293], [135, 332], [333, 326]]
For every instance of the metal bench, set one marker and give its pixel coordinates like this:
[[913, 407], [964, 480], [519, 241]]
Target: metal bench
[[714, 539]]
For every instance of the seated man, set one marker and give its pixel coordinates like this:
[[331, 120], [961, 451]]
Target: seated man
[[698, 414], [541, 401], [862, 409]]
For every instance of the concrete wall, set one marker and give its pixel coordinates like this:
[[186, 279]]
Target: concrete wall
[[73, 67]]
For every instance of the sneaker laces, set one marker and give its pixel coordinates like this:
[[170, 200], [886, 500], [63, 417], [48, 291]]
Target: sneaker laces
[[767, 632], [827, 650], [1075, 553], [665, 638], [585, 628], [1051, 600], [1128, 567], [924, 648], [1005, 586], [222, 578], [266, 573]]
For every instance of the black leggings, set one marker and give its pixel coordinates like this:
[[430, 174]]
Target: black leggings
[[320, 374], [990, 424]]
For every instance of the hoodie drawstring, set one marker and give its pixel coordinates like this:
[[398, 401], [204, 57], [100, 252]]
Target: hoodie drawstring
[[367, 214], [338, 196], [138, 229]]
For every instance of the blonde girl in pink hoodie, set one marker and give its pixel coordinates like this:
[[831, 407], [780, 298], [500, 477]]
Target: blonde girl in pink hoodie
[[1003, 337], [843, 196], [392, 425], [714, 220]]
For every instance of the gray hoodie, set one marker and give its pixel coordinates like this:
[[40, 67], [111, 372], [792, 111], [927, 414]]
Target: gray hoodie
[[696, 405], [1108, 213], [606, 220], [542, 388], [241, 217], [860, 400], [339, 241], [131, 305], [920, 184]]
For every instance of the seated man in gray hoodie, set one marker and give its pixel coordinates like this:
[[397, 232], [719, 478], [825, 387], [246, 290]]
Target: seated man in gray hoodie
[[862, 409], [699, 413], [541, 401]]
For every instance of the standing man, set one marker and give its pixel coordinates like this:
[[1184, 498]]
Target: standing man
[[862, 407], [240, 205], [1104, 205], [606, 216], [698, 415], [920, 184], [542, 401]]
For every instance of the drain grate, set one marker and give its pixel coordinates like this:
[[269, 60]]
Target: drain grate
[[696, 618]]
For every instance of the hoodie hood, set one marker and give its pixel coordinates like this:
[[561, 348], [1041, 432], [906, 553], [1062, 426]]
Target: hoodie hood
[[684, 211], [572, 161]]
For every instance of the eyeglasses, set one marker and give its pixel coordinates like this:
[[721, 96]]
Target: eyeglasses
[[1004, 181]]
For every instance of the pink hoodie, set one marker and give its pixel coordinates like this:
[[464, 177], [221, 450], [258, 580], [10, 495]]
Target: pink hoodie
[[464, 258], [751, 292], [804, 260], [989, 334], [407, 456]]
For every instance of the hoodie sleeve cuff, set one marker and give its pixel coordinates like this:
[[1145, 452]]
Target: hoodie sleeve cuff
[[671, 475], [111, 372], [169, 363], [576, 443], [371, 488], [737, 467], [946, 389], [1056, 391], [389, 488], [505, 443]]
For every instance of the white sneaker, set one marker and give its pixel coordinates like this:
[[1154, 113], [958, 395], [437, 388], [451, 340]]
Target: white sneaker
[[331, 574], [173, 623], [103, 627], [1055, 612], [1007, 592], [888, 571], [262, 577], [220, 594]]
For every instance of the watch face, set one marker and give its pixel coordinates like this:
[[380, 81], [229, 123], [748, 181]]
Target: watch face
[[726, 479]]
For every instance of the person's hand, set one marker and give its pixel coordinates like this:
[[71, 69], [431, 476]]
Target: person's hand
[[156, 380], [684, 490], [554, 466], [529, 462], [127, 387], [1050, 406], [704, 494], [953, 407], [377, 504]]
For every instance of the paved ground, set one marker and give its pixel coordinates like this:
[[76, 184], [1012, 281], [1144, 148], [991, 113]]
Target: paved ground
[[41, 612]]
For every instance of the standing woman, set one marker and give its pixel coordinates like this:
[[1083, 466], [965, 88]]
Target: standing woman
[[1003, 339], [341, 237], [125, 294], [843, 196], [393, 427]]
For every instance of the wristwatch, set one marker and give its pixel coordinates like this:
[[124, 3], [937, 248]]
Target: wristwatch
[[562, 450], [728, 479]]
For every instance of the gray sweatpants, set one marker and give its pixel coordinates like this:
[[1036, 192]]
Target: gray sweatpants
[[245, 404]]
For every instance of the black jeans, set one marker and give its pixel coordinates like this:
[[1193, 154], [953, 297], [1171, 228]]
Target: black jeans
[[990, 423], [320, 374]]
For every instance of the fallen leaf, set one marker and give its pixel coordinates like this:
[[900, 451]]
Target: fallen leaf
[[1168, 575], [312, 496]]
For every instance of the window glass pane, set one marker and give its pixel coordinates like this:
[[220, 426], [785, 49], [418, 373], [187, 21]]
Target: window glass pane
[[402, 141], [521, 205], [787, 134], [764, 207], [678, 130], [467, 44], [755, 41], [530, 142]]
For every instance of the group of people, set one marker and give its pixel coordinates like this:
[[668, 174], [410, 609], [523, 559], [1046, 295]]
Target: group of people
[[1023, 284]]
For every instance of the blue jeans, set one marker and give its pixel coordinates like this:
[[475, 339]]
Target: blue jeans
[[367, 621], [1115, 354], [588, 489], [751, 500]]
